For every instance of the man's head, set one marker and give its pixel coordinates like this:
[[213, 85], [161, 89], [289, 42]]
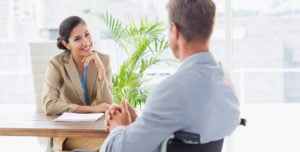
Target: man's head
[[191, 25], [193, 18]]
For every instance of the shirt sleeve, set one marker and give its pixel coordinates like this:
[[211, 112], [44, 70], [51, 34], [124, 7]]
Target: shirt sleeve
[[163, 115], [107, 146]]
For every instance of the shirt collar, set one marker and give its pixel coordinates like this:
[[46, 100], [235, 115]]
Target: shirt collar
[[198, 58]]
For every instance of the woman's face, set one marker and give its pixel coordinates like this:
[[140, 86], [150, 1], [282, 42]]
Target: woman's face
[[80, 42]]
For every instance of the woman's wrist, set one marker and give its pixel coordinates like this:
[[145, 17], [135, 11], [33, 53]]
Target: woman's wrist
[[105, 106], [93, 108], [101, 73]]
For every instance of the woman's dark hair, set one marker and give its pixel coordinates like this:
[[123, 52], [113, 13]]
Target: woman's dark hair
[[65, 29]]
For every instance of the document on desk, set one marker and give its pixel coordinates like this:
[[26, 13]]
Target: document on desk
[[74, 117]]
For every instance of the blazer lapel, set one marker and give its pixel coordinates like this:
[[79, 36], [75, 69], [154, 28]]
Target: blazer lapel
[[74, 76], [92, 76]]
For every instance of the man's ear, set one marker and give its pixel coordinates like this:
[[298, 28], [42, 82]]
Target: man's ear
[[67, 45], [174, 30]]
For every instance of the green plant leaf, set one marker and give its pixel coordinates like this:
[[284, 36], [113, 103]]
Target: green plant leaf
[[143, 42]]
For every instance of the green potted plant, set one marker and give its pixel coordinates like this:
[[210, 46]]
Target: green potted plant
[[143, 43]]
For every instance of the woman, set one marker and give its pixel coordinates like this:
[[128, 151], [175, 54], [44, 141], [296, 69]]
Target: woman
[[78, 80]]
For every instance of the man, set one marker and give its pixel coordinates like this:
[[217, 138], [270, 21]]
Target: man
[[197, 98]]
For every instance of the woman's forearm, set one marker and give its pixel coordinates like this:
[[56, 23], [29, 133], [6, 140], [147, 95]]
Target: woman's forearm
[[92, 109]]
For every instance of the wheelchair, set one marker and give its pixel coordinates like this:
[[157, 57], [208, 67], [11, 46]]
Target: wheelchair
[[182, 141]]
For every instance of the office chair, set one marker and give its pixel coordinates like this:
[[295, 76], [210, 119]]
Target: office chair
[[185, 141], [182, 141], [40, 53]]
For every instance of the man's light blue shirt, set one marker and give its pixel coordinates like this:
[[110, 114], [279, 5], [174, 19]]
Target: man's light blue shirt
[[197, 98]]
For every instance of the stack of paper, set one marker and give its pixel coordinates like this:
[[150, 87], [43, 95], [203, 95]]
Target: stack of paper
[[67, 116]]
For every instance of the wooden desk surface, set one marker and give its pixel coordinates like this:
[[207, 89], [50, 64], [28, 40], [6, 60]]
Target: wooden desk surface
[[32, 123]]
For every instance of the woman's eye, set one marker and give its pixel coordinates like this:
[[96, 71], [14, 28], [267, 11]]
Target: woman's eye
[[87, 34]]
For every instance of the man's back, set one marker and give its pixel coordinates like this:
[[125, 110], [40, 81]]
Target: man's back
[[199, 97]]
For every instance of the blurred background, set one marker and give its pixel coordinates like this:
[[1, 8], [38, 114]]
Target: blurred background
[[256, 40]]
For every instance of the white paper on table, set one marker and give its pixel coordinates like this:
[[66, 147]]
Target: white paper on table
[[68, 116]]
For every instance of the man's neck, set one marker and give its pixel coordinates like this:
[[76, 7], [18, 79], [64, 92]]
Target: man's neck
[[191, 48]]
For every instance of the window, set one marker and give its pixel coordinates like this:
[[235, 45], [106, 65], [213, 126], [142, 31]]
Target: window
[[16, 20], [265, 66], [266, 61], [5, 19]]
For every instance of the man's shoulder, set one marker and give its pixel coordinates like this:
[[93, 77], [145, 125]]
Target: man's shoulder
[[173, 83]]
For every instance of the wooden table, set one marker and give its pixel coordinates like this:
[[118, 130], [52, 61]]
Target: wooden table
[[32, 123]]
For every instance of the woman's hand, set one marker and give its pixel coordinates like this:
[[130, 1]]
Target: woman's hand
[[102, 107], [96, 59]]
